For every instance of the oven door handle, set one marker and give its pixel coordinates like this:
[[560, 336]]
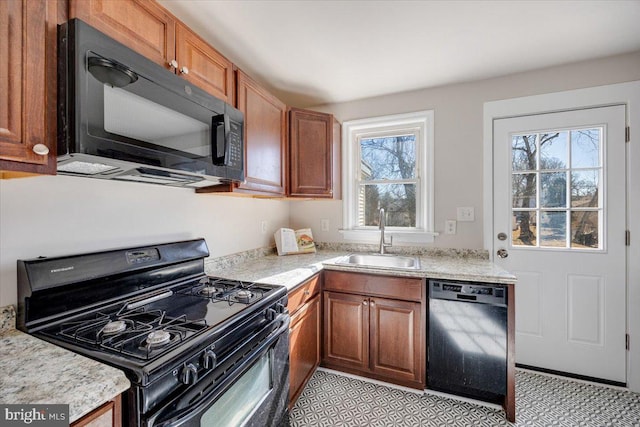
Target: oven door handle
[[196, 407]]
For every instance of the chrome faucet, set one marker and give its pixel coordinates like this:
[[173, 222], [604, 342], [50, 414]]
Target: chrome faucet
[[383, 244]]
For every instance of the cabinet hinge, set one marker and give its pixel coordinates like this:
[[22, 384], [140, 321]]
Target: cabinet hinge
[[626, 341], [627, 134], [627, 238]]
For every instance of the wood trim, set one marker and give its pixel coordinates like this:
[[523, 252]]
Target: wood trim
[[114, 406], [509, 403]]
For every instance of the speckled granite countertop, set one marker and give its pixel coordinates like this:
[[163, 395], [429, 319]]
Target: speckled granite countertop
[[291, 270], [35, 371]]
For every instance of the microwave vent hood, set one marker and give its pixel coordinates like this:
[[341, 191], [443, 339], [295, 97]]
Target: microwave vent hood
[[123, 117]]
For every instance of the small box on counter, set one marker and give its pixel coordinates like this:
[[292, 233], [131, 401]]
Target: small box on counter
[[290, 241]]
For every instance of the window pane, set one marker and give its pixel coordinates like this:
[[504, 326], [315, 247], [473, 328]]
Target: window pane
[[553, 229], [584, 188], [524, 228], [553, 190], [398, 201], [585, 148], [388, 158], [584, 229], [553, 150], [523, 153], [524, 190]]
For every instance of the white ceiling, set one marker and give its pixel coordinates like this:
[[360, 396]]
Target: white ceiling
[[317, 52]]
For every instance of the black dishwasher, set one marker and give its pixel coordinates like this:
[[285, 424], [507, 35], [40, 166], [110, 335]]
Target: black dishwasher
[[467, 353]]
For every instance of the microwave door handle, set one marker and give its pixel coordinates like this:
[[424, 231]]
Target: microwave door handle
[[219, 138]]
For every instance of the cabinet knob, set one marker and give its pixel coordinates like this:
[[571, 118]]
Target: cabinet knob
[[306, 292], [173, 63], [41, 149], [365, 302], [373, 303], [184, 70]]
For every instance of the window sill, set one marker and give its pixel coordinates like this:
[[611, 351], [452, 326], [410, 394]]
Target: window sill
[[373, 236]]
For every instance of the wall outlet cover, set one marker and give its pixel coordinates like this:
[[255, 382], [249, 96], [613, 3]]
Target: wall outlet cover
[[450, 226]]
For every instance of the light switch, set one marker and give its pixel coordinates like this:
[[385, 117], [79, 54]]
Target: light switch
[[466, 214]]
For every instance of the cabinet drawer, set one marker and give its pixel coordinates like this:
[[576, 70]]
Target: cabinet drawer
[[402, 288], [303, 293]]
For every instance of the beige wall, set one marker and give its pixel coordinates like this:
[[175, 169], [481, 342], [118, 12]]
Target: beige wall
[[458, 111], [63, 215]]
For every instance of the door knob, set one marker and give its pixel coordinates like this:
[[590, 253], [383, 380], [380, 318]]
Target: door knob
[[502, 253]]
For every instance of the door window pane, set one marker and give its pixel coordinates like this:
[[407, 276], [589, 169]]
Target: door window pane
[[524, 228], [553, 229], [585, 148], [584, 229], [523, 153], [584, 188], [524, 190], [553, 150], [553, 190]]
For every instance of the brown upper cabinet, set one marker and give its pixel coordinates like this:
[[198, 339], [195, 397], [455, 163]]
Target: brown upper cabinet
[[152, 31], [315, 154], [265, 137], [28, 87]]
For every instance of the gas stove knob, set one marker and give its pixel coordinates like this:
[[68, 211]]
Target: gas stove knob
[[270, 314], [189, 374], [279, 308], [209, 359]]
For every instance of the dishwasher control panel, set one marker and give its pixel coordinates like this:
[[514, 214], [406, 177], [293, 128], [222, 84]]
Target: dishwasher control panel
[[472, 292]]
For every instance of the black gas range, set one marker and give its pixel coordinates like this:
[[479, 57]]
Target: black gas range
[[198, 350]]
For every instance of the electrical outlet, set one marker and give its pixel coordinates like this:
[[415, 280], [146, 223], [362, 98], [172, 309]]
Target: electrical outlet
[[263, 226], [324, 224], [450, 227], [466, 214]]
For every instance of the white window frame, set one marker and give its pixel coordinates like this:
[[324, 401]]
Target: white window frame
[[420, 122]]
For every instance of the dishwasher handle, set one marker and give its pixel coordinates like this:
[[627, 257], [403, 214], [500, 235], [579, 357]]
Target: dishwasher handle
[[468, 292]]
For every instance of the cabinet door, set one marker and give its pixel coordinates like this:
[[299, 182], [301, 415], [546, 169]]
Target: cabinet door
[[142, 25], [202, 65], [27, 85], [396, 339], [311, 154], [346, 330], [265, 119], [304, 347]]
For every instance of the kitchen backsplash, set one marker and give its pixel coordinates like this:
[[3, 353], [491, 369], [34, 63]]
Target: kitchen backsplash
[[229, 261], [7, 318]]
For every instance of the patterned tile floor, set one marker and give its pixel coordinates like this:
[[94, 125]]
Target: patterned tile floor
[[331, 400]]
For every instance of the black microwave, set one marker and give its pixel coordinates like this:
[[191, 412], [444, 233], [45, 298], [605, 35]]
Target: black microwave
[[121, 116]]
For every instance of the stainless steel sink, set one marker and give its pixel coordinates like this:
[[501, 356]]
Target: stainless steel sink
[[378, 260]]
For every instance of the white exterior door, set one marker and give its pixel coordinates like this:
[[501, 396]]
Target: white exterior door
[[559, 224]]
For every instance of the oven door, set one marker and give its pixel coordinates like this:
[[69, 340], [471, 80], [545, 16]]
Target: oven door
[[254, 392]]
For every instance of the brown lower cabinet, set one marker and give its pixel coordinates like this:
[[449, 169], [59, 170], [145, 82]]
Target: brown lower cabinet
[[375, 326], [304, 335], [107, 415]]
